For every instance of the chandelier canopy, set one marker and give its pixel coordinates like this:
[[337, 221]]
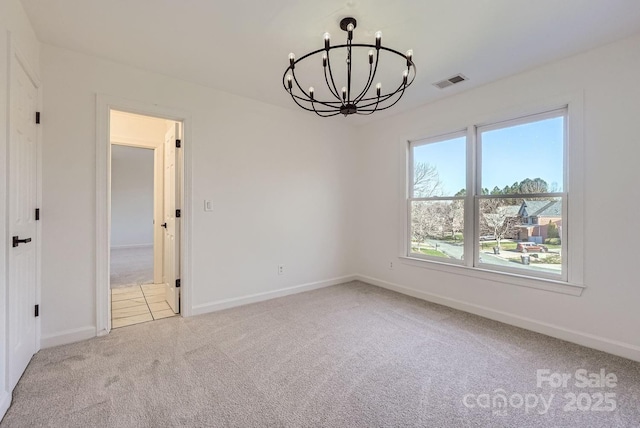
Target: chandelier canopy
[[348, 101]]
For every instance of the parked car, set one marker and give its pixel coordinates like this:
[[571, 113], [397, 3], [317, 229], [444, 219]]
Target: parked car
[[526, 247], [488, 238]]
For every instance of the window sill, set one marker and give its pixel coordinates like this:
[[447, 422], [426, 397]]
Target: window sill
[[555, 286]]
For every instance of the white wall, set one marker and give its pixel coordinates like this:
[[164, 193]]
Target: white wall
[[131, 196], [308, 193], [280, 181], [13, 20], [606, 315]]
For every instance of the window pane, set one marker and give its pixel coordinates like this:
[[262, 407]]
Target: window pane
[[525, 158], [522, 233], [437, 228], [439, 169]]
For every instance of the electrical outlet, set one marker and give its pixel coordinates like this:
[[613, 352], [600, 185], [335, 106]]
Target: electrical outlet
[[280, 269], [391, 265]]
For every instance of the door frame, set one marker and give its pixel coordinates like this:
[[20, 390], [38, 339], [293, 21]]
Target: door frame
[[158, 188], [104, 105]]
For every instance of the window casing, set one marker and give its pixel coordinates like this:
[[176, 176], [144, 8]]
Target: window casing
[[488, 213]]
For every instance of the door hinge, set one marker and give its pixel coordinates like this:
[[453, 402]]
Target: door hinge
[[178, 143], [37, 117], [37, 311], [178, 213], [177, 283], [37, 214]]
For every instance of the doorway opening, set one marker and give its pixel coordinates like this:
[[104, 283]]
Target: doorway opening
[[145, 191]]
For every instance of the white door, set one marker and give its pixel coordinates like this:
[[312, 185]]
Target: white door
[[171, 265], [23, 161]]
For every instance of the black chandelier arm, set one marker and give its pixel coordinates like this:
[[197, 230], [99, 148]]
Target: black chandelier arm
[[331, 76], [293, 74], [370, 111], [382, 98], [385, 97], [326, 79], [385, 107], [307, 97], [296, 98], [323, 115], [372, 76], [333, 105]]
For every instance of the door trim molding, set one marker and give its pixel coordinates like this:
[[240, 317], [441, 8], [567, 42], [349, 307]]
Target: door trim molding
[[104, 104]]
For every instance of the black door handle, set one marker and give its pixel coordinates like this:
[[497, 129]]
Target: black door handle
[[17, 241], [164, 225]]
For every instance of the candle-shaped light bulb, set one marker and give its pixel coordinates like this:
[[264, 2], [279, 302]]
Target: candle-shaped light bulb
[[290, 81], [292, 59], [378, 39], [350, 28], [344, 93], [409, 57], [324, 59], [327, 39], [311, 92], [378, 88], [371, 56], [405, 76]]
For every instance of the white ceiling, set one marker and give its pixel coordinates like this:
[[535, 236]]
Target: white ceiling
[[241, 46]]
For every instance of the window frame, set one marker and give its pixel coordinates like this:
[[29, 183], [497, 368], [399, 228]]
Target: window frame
[[478, 196], [571, 282]]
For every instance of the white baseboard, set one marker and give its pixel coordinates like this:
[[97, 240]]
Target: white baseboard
[[259, 297], [5, 402], [68, 336], [614, 347], [118, 247]]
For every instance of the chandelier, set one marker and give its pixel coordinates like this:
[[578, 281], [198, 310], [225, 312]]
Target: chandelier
[[347, 101]]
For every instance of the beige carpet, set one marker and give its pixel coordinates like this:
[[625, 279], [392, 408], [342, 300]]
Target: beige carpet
[[352, 355]]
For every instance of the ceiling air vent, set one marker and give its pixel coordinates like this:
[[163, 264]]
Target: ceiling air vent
[[450, 81]]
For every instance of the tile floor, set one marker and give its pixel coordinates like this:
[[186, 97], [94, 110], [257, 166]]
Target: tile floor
[[138, 303]]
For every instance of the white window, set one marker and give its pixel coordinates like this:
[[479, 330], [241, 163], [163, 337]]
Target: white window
[[520, 197], [437, 183], [494, 198]]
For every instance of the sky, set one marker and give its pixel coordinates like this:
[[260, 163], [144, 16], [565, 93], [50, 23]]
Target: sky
[[509, 155]]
